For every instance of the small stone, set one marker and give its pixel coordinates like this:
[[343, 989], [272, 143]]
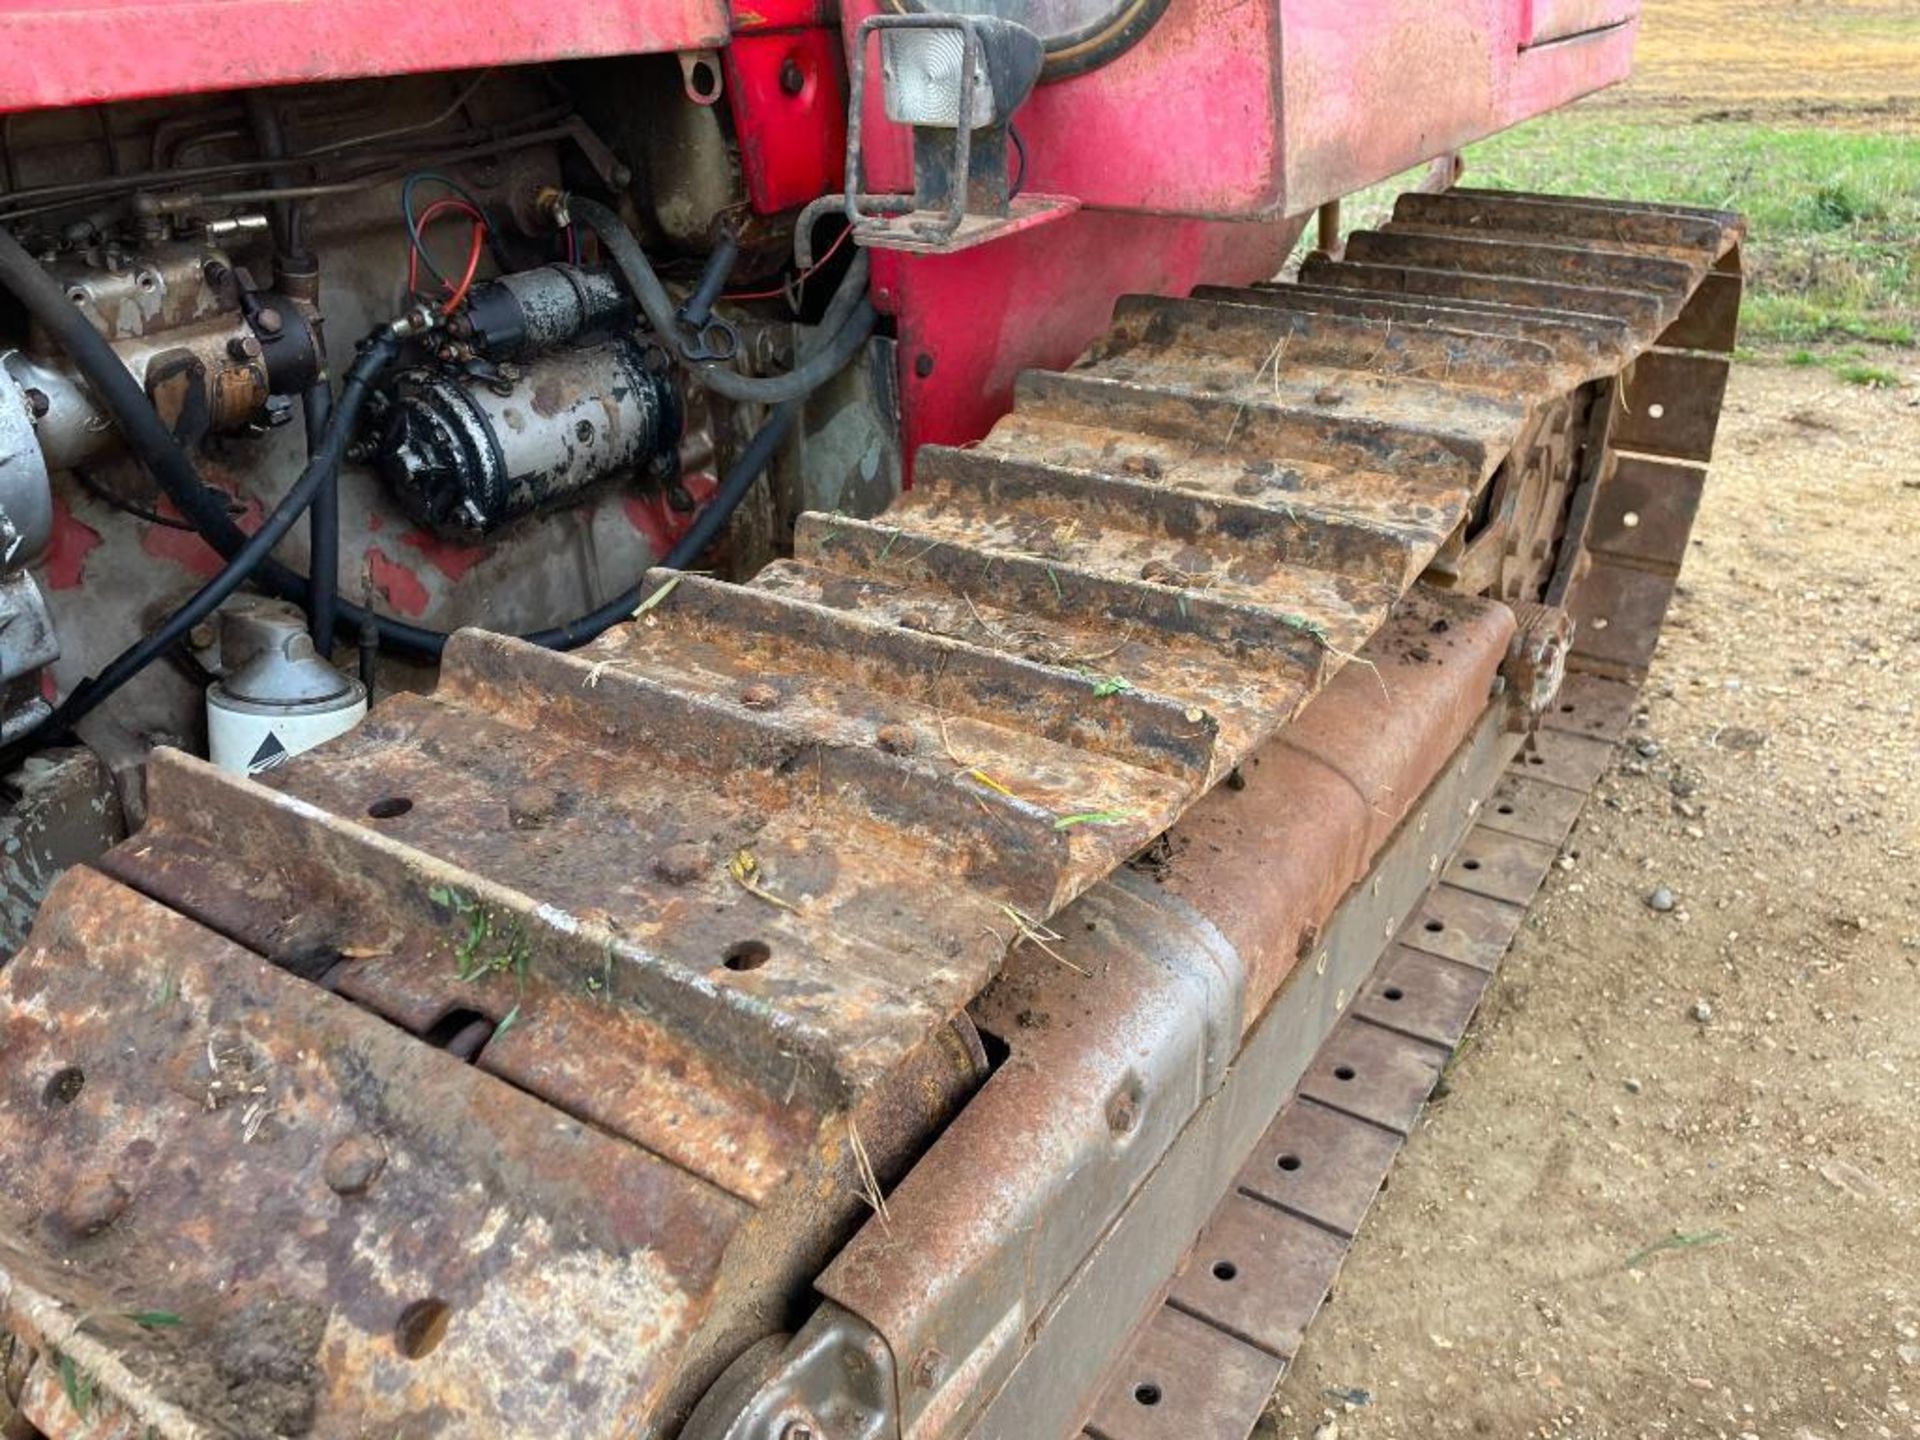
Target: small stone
[[1647, 749], [681, 864], [1702, 1011], [760, 697], [1329, 1430], [1740, 737], [1634, 1087], [1327, 395], [1142, 465], [1661, 900]]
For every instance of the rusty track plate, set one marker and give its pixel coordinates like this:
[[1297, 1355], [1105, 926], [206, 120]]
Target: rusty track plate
[[676, 886], [1320, 1164], [1422, 995], [1188, 1381]]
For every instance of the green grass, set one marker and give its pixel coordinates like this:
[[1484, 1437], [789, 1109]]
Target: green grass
[[1832, 215]]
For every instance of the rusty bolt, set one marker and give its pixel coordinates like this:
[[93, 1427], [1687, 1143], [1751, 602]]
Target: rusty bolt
[[268, 321], [792, 78], [1142, 465], [94, 1203], [927, 1366], [681, 864], [796, 1430], [1327, 395], [760, 697], [353, 1164], [243, 347], [1123, 1113], [1249, 484], [897, 739], [531, 806], [37, 402]]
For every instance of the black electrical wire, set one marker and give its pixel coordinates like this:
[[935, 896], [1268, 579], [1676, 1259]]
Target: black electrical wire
[[155, 448], [848, 322], [843, 337], [1019, 175], [323, 524], [93, 486], [434, 177], [375, 356]]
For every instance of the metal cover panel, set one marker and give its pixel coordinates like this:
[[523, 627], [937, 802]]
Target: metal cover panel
[[1321, 1164], [1499, 866], [1260, 1274], [1186, 1380], [1458, 926], [96, 50], [1374, 1074], [1423, 996]]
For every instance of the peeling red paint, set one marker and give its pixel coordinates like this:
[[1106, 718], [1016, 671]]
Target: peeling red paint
[[183, 548], [450, 559], [398, 583], [73, 540], [658, 521], [188, 550]]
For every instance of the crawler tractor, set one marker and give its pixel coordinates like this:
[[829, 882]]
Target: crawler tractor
[[746, 723]]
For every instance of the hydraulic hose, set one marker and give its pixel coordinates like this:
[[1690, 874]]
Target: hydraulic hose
[[323, 525], [807, 376], [321, 469], [847, 323], [151, 443]]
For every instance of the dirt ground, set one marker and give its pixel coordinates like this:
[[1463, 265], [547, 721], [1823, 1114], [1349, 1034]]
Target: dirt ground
[[1505, 1284], [1833, 62]]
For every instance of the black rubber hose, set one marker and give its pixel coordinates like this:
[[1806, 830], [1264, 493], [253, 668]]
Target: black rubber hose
[[849, 313], [807, 376], [375, 356], [323, 525], [202, 506]]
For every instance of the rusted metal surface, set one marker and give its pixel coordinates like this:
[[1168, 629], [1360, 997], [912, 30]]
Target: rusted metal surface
[[1104, 1067], [1328, 1151], [1423, 996], [1321, 1164], [1373, 1074], [1259, 1273], [1187, 1381], [1499, 866], [327, 1217], [711, 893]]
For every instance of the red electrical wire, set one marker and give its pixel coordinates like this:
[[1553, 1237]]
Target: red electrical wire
[[475, 248], [801, 278]]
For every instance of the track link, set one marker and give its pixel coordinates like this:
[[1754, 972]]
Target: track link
[[716, 883]]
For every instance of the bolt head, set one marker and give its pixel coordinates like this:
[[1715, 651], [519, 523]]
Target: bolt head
[[353, 1164]]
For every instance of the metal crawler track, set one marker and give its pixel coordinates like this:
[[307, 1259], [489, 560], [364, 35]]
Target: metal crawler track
[[701, 903]]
